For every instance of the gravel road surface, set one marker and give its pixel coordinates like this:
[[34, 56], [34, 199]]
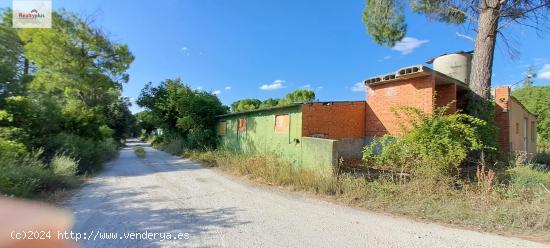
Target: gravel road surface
[[200, 207]]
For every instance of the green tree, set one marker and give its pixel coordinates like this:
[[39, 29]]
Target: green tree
[[298, 96], [270, 102], [385, 22], [245, 104], [147, 121], [81, 69], [537, 100], [11, 51], [60, 93], [182, 111], [61, 87]]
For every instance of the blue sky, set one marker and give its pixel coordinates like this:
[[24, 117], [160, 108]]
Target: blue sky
[[261, 49]]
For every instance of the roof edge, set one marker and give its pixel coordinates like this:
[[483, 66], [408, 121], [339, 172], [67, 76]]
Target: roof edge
[[259, 110], [412, 72], [523, 106]]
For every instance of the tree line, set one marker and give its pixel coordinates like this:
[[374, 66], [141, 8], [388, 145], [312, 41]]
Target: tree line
[[185, 118], [61, 108], [297, 96]]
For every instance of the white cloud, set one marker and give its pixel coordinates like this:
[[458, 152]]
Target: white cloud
[[465, 36], [216, 92], [185, 51], [387, 57], [227, 88], [277, 84], [408, 44], [359, 87], [307, 86], [544, 73], [320, 87]]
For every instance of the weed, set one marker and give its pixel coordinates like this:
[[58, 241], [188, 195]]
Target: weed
[[522, 205], [139, 151]]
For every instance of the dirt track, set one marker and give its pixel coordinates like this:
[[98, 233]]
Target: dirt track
[[166, 194]]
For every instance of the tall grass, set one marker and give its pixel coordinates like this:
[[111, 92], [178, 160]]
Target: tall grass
[[91, 154], [521, 205], [30, 177], [32, 174]]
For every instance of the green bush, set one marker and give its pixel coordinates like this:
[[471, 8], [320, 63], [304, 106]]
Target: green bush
[[139, 151], [11, 149], [64, 165], [90, 153], [23, 176], [201, 139], [27, 176], [528, 177], [434, 145], [106, 132], [174, 146], [543, 158]]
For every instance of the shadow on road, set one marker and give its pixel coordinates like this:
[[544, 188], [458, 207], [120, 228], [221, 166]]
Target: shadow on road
[[128, 197], [134, 212]]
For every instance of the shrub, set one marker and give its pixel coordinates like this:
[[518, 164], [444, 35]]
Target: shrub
[[543, 158], [64, 165], [90, 153], [173, 146], [11, 149], [201, 139], [106, 132], [24, 176], [27, 176], [434, 145], [139, 151], [529, 178]]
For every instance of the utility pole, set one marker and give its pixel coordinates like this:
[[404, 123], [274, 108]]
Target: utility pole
[[528, 81]]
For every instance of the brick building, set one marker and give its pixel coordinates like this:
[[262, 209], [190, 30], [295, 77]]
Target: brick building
[[318, 134], [313, 135]]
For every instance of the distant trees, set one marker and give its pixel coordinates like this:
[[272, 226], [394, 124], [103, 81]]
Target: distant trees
[[245, 104], [537, 100], [268, 103], [181, 111], [297, 96]]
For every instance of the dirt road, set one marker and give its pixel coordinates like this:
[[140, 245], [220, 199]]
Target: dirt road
[[200, 207]]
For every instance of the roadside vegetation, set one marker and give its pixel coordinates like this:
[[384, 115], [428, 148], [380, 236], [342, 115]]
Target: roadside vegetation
[[62, 115], [430, 172], [518, 201]]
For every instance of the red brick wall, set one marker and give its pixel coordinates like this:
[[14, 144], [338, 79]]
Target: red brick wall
[[502, 119], [333, 120], [415, 92], [445, 94]]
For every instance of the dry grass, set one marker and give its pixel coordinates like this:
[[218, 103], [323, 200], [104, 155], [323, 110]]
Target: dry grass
[[519, 206]]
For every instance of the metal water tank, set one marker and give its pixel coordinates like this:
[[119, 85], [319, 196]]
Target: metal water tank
[[456, 65]]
